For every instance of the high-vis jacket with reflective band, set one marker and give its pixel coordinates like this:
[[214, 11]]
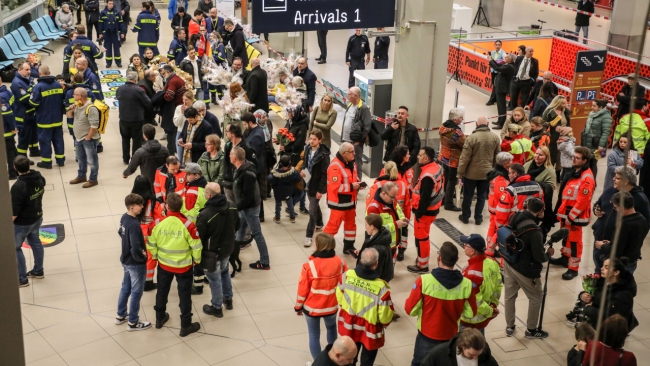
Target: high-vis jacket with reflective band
[[389, 215], [47, 98], [165, 183], [22, 89], [317, 285], [403, 197], [93, 83], [485, 273], [7, 107], [148, 29], [438, 308], [174, 242], [340, 176], [640, 134], [576, 199], [513, 198], [498, 186], [110, 21], [366, 309], [431, 171], [194, 199], [520, 147], [177, 51], [88, 48]]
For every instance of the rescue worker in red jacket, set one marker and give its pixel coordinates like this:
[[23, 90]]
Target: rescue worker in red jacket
[[383, 203], [499, 180], [427, 199], [147, 217], [401, 156], [317, 284], [518, 191], [342, 188], [574, 210], [169, 179]]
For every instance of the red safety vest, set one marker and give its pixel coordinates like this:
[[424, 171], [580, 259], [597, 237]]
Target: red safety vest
[[433, 172], [576, 199], [515, 195], [340, 195]]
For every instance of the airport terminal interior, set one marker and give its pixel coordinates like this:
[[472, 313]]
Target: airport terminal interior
[[68, 316]]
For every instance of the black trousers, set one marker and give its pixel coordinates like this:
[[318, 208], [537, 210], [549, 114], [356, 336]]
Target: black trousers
[[519, 90], [130, 131], [89, 29], [171, 140], [184, 281], [450, 185], [355, 65], [322, 44], [502, 107], [10, 146], [367, 356], [493, 95]]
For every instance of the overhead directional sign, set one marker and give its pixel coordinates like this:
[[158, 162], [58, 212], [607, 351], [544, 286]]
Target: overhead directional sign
[[271, 16], [591, 61]]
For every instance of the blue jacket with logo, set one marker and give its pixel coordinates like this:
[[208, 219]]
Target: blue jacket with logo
[[47, 98], [89, 49], [148, 29], [110, 21], [21, 87], [7, 107], [92, 81], [68, 99], [177, 50]]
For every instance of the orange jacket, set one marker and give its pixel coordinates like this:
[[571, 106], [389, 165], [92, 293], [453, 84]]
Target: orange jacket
[[193, 27], [403, 198], [515, 195], [317, 284], [433, 172], [576, 198], [151, 214], [498, 182], [162, 185], [340, 176]]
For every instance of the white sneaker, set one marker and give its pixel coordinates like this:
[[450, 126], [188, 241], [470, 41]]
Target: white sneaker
[[307, 242]]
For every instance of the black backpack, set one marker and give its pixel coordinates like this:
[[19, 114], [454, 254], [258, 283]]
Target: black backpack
[[508, 243]]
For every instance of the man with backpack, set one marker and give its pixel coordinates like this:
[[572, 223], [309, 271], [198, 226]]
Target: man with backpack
[[86, 125], [523, 265]]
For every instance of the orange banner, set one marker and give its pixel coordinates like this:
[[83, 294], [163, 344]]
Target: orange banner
[[473, 68]]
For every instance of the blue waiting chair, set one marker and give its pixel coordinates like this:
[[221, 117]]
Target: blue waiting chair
[[39, 25], [10, 52], [5, 63], [17, 46], [23, 36], [36, 31], [50, 24]]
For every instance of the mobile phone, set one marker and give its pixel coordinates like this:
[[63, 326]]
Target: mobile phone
[[363, 184]]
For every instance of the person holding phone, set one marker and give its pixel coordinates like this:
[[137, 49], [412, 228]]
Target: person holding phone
[[498, 56]]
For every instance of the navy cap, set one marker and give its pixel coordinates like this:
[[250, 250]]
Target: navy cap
[[475, 241]]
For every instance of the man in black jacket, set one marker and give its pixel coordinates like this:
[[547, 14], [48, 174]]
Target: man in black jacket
[[469, 344], [255, 139], [582, 20], [217, 224], [181, 19], [526, 271], [148, 157], [624, 97], [235, 134], [27, 208], [133, 259], [526, 72], [247, 199], [547, 77], [237, 40], [133, 104], [147, 85], [402, 132], [91, 7], [256, 86], [502, 86], [316, 160], [193, 136], [340, 353], [634, 229], [309, 78]]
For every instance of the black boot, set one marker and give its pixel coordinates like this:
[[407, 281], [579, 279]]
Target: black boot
[[562, 261], [400, 254], [149, 285]]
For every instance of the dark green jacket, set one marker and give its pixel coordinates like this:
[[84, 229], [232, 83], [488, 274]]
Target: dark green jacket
[[597, 129], [213, 168]]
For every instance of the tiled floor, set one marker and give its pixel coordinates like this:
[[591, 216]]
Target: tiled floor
[[68, 315]]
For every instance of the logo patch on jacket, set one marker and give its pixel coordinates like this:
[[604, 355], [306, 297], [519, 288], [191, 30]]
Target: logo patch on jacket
[[585, 191], [335, 179]]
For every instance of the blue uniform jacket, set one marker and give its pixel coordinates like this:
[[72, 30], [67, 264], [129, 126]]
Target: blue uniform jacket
[[177, 50], [7, 107], [219, 55], [69, 99], [89, 49], [92, 81], [148, 29], [47, 98], [22, 89], [111, 21]]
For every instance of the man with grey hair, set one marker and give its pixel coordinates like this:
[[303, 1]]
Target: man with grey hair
[[86, 124], [499, 181], [356, 125], [384, 204], [452, 140], [547, 77], [357, 303], [309, 78], [201, 107], [342, 188], [133, 102], [148, 85], [341, 352], [476, 161], [527, 70]]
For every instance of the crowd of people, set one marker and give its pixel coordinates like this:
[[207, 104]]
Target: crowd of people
[[199, 200]]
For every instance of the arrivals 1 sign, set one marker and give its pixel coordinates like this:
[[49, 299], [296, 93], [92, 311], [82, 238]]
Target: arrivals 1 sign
[[587, 79], [272, 16]]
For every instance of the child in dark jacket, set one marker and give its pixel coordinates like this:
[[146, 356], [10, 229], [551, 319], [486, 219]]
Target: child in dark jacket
[[283, 180], [584, 334]]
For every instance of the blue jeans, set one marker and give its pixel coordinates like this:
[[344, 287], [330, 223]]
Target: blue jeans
[[251, 218], [272, 99], [198, 94], [300, 196], [423, 345], [86, 154], [313, 327], [585, 32], [598, 261], [290, 206], [481, 187], [132, 285], [28, 233], [220, 283]]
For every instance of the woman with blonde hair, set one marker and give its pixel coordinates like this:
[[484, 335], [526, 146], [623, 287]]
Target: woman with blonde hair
[[323, 118], [212, 161], [518, 117], [317, 284], [556, 114], [541, 170]]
